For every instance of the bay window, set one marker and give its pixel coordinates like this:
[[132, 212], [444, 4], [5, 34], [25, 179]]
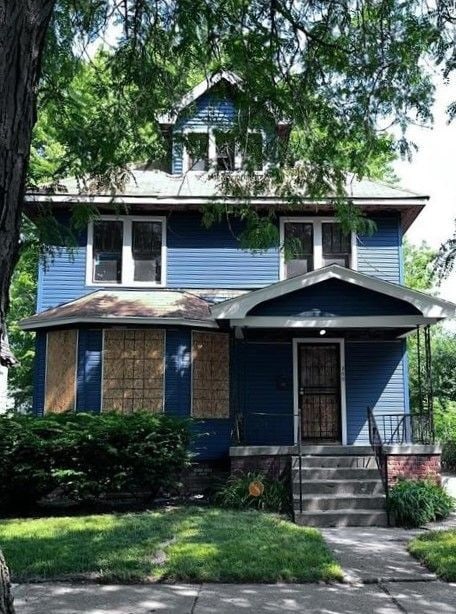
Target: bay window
[[126, 251], [312, 243]]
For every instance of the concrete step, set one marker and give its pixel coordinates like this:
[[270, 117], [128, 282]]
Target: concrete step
[[357, 462], [319, 503], [343, 518], [340, 487], [335, 450], [335, 473]]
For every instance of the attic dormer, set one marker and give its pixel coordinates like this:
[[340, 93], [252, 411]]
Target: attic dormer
[[206, 129]]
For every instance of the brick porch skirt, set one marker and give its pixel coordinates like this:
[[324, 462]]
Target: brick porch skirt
[[276, 467], [413, 467]]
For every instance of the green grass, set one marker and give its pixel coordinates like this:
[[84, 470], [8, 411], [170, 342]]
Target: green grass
[[193, 544], [437, 550]]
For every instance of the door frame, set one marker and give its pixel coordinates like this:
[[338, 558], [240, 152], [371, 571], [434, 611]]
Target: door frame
[[343, 400]]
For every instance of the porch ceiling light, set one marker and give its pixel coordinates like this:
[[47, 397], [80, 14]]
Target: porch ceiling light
[[323, 332]]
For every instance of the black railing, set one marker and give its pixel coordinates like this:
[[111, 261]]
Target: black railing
[[394, 429], [402, 428], [376, 440]]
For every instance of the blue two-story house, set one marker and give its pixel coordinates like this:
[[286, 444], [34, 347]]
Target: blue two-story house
[[154, 311]]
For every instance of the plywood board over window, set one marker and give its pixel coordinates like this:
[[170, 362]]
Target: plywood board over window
[[133, 370], [60, 385], [210, 375]]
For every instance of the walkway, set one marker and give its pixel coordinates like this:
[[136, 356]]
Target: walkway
[[391, 598]]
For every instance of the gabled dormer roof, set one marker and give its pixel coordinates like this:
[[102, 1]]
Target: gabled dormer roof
[[196, 92]]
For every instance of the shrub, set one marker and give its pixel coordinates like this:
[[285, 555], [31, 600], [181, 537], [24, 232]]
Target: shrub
[[88, 455], [449, 455], [416, 502], [254, 490]]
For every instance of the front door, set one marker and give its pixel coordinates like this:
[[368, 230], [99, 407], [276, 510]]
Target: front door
[[319, 392]]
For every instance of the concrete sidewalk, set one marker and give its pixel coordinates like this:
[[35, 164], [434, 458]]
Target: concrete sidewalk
[[388, 598]]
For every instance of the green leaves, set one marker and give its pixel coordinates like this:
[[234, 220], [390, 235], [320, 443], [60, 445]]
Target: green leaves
[[416, 502], [86, 456]]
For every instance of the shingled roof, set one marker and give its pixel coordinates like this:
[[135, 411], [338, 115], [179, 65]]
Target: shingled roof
[[127, 307]]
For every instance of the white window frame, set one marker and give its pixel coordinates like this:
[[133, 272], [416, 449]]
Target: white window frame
[[343, 393], [127, 275], [317, 241], [212, 148]]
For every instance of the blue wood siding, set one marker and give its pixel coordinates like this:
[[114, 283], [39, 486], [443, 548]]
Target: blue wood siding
[[375, 377], [333, 298], [379, 255], [63, 278], [178, 382], [211, 258], [90, 346], [39, 373], [266, 388]]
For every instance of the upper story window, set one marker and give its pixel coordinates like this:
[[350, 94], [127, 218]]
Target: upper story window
[[107, 251], [129, 251], [198, 151], [314, 243], [217, 148], [254, 151], [225, 146], [336, 245]]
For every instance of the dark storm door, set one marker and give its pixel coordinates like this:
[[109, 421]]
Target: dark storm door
[[319, 392]]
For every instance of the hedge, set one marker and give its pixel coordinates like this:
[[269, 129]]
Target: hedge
[[88, 455]]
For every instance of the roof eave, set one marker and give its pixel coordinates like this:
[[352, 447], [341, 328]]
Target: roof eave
[[37, 323]]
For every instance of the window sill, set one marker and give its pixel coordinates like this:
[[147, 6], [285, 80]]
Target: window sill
[[136, 285]]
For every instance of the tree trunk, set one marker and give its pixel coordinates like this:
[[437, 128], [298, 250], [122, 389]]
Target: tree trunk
[[23, 27], [6, 598]]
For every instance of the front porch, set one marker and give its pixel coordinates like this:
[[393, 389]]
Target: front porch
[[335, 485]]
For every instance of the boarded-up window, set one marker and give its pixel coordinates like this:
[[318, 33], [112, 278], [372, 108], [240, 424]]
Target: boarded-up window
[[210, 375], [133, 368], [60, 371]]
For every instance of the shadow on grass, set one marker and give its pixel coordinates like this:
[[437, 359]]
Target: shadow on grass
[[177, 544]]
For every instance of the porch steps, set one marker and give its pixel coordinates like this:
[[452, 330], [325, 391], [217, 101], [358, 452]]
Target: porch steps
[[338, 489]]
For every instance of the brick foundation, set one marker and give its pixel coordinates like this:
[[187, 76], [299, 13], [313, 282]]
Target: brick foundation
[[203, 477], [275, 467], [413, 467]]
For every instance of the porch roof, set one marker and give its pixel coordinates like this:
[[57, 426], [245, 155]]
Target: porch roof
[[420, 308], [157, 306]]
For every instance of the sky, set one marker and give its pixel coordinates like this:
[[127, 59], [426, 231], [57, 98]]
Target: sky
[[432, 171]]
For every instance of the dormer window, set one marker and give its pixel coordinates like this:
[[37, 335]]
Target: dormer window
[[225, 146], [309, 244], [198, 151], [253, 151], [217, 148], [126, 250]]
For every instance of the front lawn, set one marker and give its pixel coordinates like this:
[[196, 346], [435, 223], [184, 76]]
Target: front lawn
[[437, 550], [187, 544]]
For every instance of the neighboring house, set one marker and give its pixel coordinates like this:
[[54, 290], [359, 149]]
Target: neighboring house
[[154, 311]]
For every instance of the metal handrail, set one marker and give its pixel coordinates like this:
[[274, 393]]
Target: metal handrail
[[376, 442]]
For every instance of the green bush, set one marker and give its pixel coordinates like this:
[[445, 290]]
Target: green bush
[[236, 493], [416, 502], [449, 455], [88, 455], [445, 430]]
